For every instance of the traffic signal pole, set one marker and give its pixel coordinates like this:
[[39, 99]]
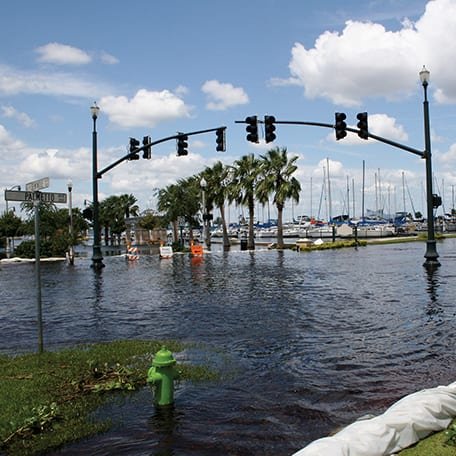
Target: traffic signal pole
[[153, 143], [420, 153], [362, 131]]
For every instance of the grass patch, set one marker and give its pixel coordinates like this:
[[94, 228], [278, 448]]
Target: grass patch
[[332, 245], [439, 444], [46, 400]]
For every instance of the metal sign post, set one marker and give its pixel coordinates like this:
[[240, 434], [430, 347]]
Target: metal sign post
[[36, 205], [33, 194]]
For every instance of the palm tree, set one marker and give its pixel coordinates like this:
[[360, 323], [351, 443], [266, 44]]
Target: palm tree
[[111, 218], [168, 205], [243, 187], [180, 200], [277, 178], [113, 212], [46, 214], [217, 178], [127, 204], [105, 217], [189, 193]]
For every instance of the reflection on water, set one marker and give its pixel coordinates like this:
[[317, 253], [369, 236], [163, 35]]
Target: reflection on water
[[433, 279], [163, 424], [305, 342]]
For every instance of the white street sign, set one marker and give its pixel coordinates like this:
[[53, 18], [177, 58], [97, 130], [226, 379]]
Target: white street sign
[[45, 197], [37, 185]]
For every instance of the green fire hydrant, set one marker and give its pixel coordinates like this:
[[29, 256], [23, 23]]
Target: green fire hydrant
[[162, 375]]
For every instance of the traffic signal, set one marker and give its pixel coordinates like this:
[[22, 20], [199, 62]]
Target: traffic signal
[[340, 126], [87, 213], [252, 128], [362, 125], [182, 145], [134, 144], [220, 140], [269, 129], [436, 201], [147, 151]]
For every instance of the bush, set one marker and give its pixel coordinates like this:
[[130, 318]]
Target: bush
[[56, 247]]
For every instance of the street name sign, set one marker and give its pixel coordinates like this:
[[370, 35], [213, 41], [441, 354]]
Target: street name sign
[[37, 185], [44, 197]]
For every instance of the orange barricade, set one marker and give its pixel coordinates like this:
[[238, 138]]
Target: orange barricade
[[196, 250]]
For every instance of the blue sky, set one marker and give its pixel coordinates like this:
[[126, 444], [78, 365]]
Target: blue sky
[[156, 68]]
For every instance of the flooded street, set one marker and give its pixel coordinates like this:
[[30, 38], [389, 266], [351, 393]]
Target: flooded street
[[306, 342]]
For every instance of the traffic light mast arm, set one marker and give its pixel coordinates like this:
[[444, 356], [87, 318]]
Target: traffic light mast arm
[[354, 130], [420, 153], [153, 143]]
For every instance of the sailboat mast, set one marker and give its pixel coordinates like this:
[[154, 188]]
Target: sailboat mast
[[311, 203], [380, 197], [362, 199], [376, 196], [329, 195], [353, 196], [348, 198], [403, 190]]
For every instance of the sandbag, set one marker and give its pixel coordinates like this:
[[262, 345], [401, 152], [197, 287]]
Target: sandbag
[[406, 422]]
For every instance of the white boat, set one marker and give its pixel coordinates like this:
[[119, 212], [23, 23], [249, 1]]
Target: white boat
[[320, 232], [367, 231], [376, 231], [266, 232]]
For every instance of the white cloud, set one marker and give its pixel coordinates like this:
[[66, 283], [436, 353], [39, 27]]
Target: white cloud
[[8, 143], [222, 96], [448, 158], [165, 170], [108, 59], [181, 90], [62, 54], [385, 126], [13, 81], [145, 109], [55, 163], [378, 124], [336, 168], [22, 117], [437, 32], [357, 63], [366, 60]]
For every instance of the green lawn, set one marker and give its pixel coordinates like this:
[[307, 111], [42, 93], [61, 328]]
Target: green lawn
[[437, 444], [46, 399]]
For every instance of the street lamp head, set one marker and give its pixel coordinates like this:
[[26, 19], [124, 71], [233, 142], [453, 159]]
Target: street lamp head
[[94, 110], [424, 76], [70, 185], [203, 183]]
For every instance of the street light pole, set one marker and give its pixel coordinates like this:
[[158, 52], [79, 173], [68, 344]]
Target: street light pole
[[8, 240], [431, 254], [70, 213], [97, 257]]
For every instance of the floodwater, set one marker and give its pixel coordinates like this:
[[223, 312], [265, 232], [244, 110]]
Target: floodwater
[[306, 342]]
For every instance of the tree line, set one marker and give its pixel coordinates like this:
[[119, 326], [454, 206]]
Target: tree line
[[248, 180], [54, 225]]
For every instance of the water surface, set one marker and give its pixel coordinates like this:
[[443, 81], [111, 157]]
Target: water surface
[[307, 342]]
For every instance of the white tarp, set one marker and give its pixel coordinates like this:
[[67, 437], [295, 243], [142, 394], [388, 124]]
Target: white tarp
[[406, 422]]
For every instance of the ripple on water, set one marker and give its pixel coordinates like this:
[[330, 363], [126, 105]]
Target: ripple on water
[[306, 342]]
